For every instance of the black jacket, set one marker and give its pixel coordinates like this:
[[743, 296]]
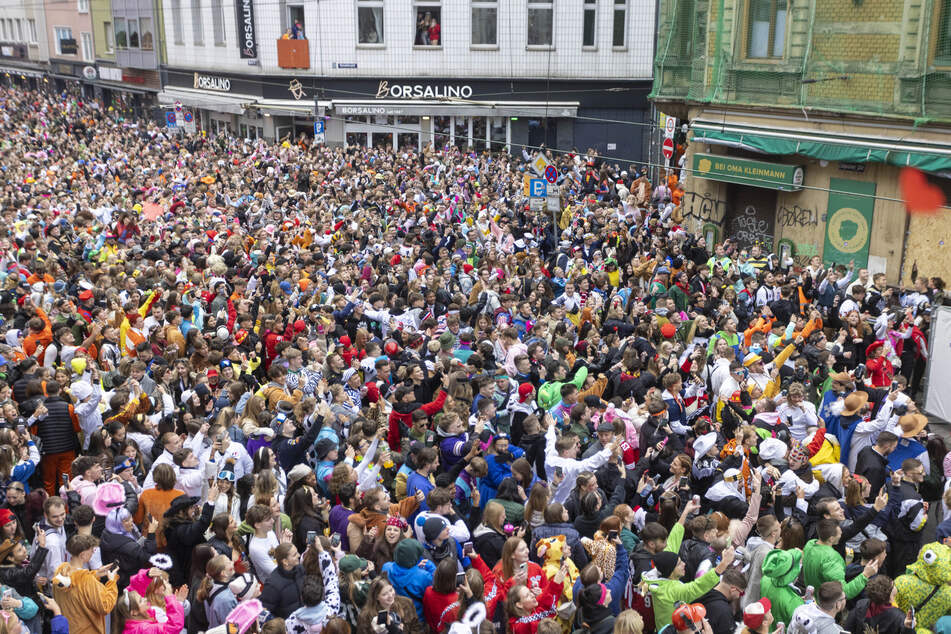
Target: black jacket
[[873, 466], [890, 621], [22, 579], [131, 555], [181, 538], [719, 612], [694, 552], [291, 451], [488, 543], [56, 429], [572, 539], [281, 592]]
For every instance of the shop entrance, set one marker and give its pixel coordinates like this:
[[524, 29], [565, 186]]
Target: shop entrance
[[750, 217], [383, 131]]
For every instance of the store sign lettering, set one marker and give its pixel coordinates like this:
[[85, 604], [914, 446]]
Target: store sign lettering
[[210, 82], [245, 17], [421, 91]]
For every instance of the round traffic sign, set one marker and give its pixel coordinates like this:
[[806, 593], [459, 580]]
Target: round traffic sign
[[551, 174], [188, 116], [668, 148], [170, 118], [669, 125]]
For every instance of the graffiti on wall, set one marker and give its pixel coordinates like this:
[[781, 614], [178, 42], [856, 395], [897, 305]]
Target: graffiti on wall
[[749, 229], [703, 207], [797, 216]]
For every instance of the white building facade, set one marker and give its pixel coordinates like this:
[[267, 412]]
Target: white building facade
[[469, 73]]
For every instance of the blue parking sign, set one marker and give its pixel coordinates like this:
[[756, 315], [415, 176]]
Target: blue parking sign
[[319, 127], [537, 188]]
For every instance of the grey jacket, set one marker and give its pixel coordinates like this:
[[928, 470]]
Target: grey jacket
[[754, 554]]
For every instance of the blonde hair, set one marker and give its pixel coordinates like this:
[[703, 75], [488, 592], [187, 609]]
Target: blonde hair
[[628, 622]]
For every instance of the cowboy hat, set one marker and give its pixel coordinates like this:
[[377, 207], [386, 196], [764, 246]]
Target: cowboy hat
[[854, 403], [842, 377], [912, 424], [109, 497]]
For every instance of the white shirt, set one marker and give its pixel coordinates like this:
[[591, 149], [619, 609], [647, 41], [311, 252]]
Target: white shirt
[[800, 418], [569, 466], [259, 548]]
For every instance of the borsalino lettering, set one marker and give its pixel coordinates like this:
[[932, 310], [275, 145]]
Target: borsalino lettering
[[244, 14], [208, 82], [421, 91]]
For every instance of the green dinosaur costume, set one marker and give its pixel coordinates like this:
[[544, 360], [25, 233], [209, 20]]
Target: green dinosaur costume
[[549, 394], [780, 570], [931, 570]]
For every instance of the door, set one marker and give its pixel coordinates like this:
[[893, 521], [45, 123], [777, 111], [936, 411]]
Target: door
[[542, 132], [750, 217]]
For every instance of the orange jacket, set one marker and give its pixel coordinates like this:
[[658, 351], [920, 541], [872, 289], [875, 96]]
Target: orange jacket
[[36, 342]]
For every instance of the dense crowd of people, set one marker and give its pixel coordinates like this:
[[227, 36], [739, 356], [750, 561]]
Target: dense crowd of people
[[274, 387]]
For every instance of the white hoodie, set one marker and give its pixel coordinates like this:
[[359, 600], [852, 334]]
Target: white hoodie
[[809, 619]]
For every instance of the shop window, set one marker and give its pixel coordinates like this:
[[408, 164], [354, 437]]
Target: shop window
[[198, 29], [540, 19], [620, 24], [589, 22], [460, 130], [766, 21], [217, 22], [133, 33], [370, 21], [408, 140], [176, 22], [479, 133], [110, 36], [220, 127], [498, 133], [145, 30], [485, 19], [357, 138], [428, 24], [441, 128], [250, 132], [355, 119]]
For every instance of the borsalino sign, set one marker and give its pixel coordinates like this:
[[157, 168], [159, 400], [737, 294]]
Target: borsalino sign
[[210, 82], [422, 91], [247, 38]]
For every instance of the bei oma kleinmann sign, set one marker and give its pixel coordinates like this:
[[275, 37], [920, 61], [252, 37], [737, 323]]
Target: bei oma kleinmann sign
[[787, 178]]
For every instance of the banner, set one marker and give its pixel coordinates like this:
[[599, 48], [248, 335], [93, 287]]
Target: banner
[[731, 169], [247, 36], [849, 222]]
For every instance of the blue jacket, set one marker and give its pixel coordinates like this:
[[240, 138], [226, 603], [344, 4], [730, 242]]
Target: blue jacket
[[411, 582], [417, 482], [450, 450], [498, 471], [616, 584]]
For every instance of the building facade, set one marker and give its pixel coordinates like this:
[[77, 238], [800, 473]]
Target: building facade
[[801, 117], [472, 73], [24, 49], [70, 35]]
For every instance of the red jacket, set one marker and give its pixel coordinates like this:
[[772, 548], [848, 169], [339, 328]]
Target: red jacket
[[880, 371], [440, 609], [403, 413], [547, 602]]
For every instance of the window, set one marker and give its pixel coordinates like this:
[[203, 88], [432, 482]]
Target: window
[[109, 36], [295, 16], [217, 22], [133, 33], [89, 53], [83, 6], [620, 23], [176, 22], [63, 40], [122, 38], [540, 14], [3, 29], [145, 34], [589, 21], [31, 23], [198, 34], [20, 37], [943, 49], [428, 24], [767, 28], [485, 19], [370, 21]]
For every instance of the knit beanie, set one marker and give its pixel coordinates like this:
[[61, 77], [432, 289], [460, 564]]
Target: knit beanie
[[433, 527], [665, 562], [408, 553]]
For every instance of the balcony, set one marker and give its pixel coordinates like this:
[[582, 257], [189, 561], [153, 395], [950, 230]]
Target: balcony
[[293, 54]]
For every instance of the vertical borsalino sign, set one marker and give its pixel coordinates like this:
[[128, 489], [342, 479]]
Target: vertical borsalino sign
[[247, 37]]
